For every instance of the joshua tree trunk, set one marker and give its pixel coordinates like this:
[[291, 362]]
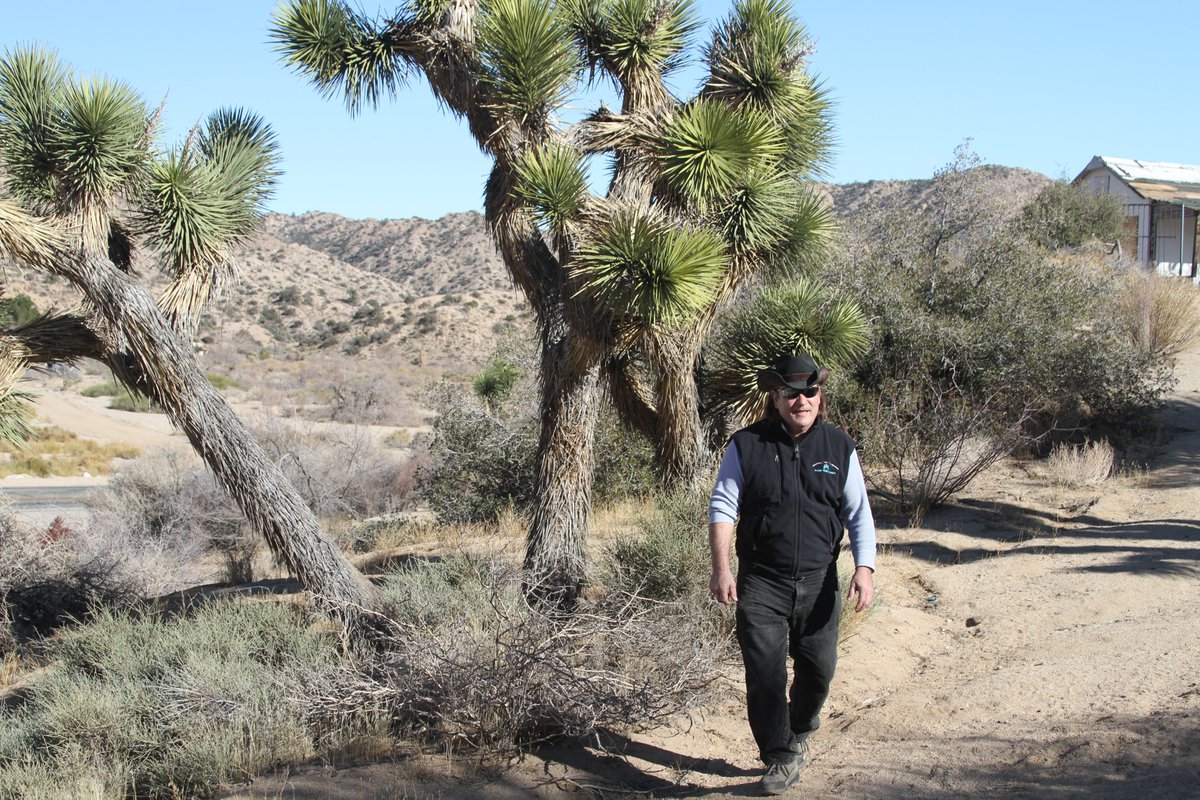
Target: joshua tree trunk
[[679, 441], [150, 356], [555, 551]]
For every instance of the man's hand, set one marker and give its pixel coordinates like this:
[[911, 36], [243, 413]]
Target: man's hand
[[723, 586], [862, 585]]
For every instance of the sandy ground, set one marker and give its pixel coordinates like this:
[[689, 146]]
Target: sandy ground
[[1030, 642]]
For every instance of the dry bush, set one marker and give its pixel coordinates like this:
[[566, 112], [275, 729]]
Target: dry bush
[[51, 577], [1088, 464], [1160, 313], [474, 666], [341, 471], [164, 515], [921, 447], [54, 451]]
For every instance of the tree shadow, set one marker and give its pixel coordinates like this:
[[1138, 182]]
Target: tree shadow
[[1016, 530], [1099, 765], [612, 767]]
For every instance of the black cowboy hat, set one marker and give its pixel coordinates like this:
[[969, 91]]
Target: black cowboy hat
[[796, 372]]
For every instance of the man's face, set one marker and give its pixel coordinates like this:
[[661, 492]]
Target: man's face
[[798, 411]]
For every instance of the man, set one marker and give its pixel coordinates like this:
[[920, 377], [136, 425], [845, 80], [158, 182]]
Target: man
[[791, 483]]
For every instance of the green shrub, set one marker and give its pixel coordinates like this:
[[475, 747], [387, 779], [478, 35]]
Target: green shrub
[[481, 463], [106, 389], [1062, 215], [982, 342], [124, 400], [483, 454], [150, 707], [667, 556], [222, 382], [17, 311], [496, 382]]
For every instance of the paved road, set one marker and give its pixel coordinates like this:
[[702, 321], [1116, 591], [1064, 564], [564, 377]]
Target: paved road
[[41, 504]]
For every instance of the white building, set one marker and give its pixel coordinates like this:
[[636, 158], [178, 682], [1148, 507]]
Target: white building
[[1161, 201]]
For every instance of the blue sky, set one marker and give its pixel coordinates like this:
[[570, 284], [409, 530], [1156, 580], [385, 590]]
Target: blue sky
[[1042, 85]]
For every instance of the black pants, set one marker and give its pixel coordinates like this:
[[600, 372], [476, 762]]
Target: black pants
[[777, 617]]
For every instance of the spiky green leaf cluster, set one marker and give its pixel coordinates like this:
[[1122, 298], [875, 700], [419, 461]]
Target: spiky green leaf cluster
[[552, 180], [16, 417], [636, 265], [760, 211], [708, 147], [68, 144], [631, 38], [810, 233], [529, 57], [338, 50], [203, 197], [429, 12], [757, 59], [798, 316]]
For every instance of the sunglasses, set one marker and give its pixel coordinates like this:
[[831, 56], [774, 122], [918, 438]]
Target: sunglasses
[[788, 393]]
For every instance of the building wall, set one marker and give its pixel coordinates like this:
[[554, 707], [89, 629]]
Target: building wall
[[1166, 240], [1136, 242]]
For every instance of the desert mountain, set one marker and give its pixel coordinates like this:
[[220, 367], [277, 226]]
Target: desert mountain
[[432, 293]]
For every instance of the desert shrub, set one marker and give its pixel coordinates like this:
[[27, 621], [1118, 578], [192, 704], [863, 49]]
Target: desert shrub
[[221, 381], [1159, 313], [342, 472], [51, 577], [624, 465], [149, 707], [983, 342], [17, 311], [54, 451], [125, 400], [1062, 215], [106, 389], [371, 398], [474, 666], [1087, 464], [482, 454], [165, 514], [495, 383], [667, 556], [481, 461]]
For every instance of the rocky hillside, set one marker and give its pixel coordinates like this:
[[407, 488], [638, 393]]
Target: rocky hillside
[[432, 293], [423, 257], [1012, 187]]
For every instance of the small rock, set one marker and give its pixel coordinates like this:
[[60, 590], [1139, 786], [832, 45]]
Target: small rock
[[973, 621]]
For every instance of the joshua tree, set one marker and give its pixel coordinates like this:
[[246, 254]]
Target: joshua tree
[[625, 287], [85, 185]]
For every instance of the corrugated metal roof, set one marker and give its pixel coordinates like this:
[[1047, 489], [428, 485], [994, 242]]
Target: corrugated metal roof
[[1158, 180]]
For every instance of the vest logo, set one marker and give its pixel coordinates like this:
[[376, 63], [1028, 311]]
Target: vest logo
[[825, 468]]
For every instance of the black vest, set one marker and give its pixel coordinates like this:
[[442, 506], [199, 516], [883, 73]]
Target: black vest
[[791, 500]]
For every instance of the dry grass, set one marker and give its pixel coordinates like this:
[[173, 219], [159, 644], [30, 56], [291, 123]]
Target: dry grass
[[12, 668], [1088, 464], [57, 452], [1161, 313]]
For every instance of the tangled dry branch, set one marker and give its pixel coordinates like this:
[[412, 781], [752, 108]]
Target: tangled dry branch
[[473, 666]]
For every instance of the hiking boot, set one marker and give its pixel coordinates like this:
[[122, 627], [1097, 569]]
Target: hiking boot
[[781, 777], [800, 747]]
